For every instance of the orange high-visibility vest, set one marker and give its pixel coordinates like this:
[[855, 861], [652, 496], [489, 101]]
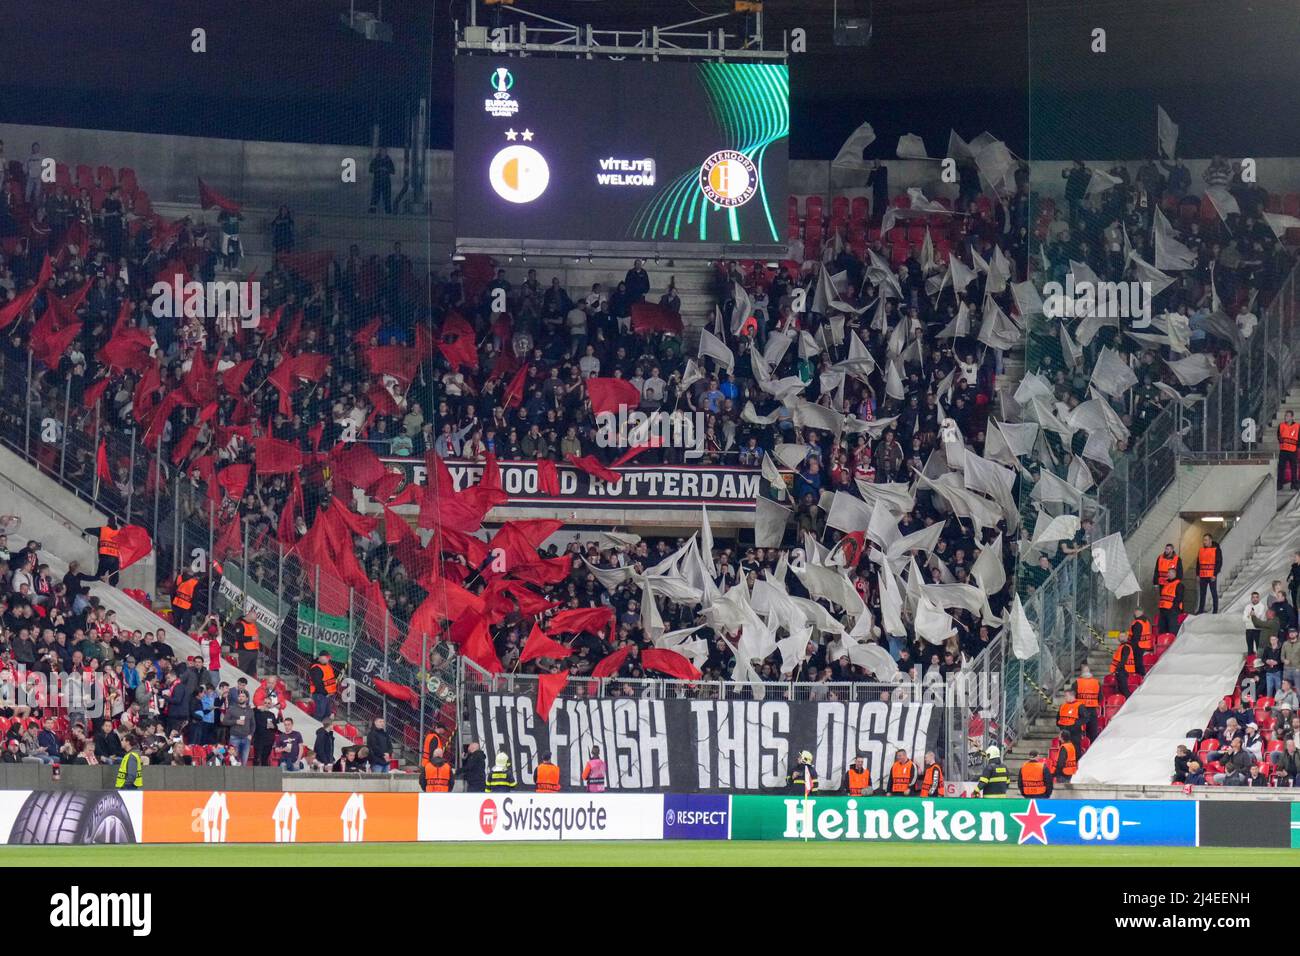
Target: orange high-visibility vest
[[437, 779], [1205, 562], [1165, 565], [1168, 593], [1068, 715], [183, 596], [548, 778], [859, 782], [900, 776], [1129, 664], [1033, 782], [932, 781], [1288, 436], [432, 742], [1067, 760], [331, 682], [1144, 633], [250, 640], [1088, 690], [108, 543]]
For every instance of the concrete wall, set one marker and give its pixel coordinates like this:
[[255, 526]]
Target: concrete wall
[[29, 776], [24, 491]]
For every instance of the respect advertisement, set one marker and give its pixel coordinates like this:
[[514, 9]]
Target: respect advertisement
[[1015, 822], [529, 816]]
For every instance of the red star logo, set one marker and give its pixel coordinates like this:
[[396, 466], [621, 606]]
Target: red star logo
[[1032, 823]]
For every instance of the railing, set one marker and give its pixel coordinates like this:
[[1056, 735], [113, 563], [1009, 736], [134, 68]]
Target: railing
[[47, 424], [1073, 598], [968, 706]]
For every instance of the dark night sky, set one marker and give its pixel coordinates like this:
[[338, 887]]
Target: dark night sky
[[288, 70]]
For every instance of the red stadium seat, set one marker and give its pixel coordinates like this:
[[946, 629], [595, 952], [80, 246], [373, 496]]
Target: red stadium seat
[[840, 207], [860, 209], [85, 176], [1134, 682], [1275, 747], [1291, 204], [104, 174], [1206, 745], [793, 229], [62, 176], [792, 207], [126, 179], [1149, 660], [813, 208], [1265, 702]]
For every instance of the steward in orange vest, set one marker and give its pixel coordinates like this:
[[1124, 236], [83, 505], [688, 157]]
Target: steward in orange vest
[[932, 779], [1168, 560], [248, 644], [548, 775], [1034, 779], [1067, 759], [1121, 665], [1171, 604], [858, 779], [1288, 442], [437, 774], [183, 601], [1067, 717], [902, 775], [1141, 637], [1087, 689], [432, 742], [324, 685], [1209, 562], [110, 552]]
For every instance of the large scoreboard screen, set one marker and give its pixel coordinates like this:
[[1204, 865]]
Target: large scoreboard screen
[[633, 151]]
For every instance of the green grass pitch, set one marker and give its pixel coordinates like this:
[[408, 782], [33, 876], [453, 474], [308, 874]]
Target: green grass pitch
[[684, 853]]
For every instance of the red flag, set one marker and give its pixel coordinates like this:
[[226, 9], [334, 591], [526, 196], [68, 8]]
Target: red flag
[[355, 465], [456, 342], [592, 467], [539, 645], [209, 197], [51, 348], [648, 317], [514, 393], [611, 664], [287, 531], [142, 399], [548, 478], [399, 361], [128, 349], [309, 366], [470, 631], [611, 394], [94, 393], [548, 689], [231, 541], [133, 544], [395, 691], [385, 486], [233, 480], [544, 571], [313, 266], [314, 433], [19, 304], [276, 457], [232, 379], [517, 541], [367, 332], [200, 380], [631, 453], [101, 463], [591, 620], [669, 662], [852, 546]]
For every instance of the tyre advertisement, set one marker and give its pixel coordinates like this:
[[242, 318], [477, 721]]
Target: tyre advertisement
[[69, 817]]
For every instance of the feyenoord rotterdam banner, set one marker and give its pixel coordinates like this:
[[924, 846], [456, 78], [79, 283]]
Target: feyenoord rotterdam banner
[[642, 486], [701, 745]]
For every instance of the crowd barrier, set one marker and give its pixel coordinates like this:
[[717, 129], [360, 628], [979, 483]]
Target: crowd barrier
[[108, 816]]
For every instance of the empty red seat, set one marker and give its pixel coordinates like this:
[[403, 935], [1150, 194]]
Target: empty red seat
[[1134, 682], [860, 209], [839, 207], [1291, 204], [104, 174], [85, 176], [792, 207], [1275, 747], [813, 208]]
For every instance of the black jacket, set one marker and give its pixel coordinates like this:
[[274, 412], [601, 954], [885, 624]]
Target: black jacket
[[324, 747], [379, 743], [473, 770]]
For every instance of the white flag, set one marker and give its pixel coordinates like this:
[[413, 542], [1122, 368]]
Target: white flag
[[850, 154], [911, 146], [1024, 641], [1194, 369], [713, 347], [988, 569], [1110, 558], [1112, 374], [1170, 253], [1223, 202], [769, 522]]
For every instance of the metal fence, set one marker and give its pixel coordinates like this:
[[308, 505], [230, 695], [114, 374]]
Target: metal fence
[[967, 703], [1072, 606], [44, 420]]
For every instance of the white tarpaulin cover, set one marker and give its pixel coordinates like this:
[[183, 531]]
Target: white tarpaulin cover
[[1178, 695]]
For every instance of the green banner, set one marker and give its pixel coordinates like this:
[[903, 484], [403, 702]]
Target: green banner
[[879, 819], [323, 632]]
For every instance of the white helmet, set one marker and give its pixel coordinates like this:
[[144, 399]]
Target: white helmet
[[993, 753]]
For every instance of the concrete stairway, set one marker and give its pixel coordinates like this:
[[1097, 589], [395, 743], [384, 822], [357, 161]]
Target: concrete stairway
[[1042, 729], [1268, 440]]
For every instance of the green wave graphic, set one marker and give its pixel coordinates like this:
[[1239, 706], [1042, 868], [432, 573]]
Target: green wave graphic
[[750, 103]]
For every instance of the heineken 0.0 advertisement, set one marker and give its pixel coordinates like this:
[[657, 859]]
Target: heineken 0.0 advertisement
[[1009, 821]]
